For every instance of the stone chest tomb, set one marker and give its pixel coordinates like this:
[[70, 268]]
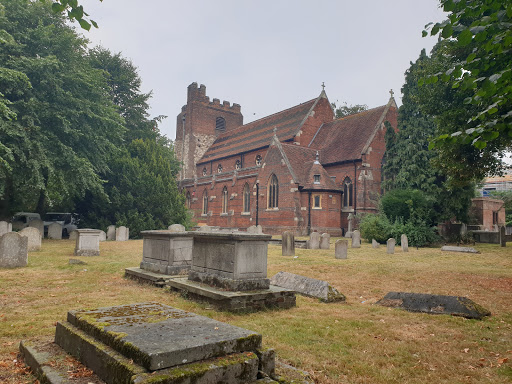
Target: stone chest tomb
[[167, 252], [87, 242]]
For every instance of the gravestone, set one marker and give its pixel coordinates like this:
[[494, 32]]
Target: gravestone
[[39, 224], [375, 244], [73, 235], [103, 236], [87, 242], [5, 227], [55, 231], [122, 233], [232, 261], [13, 250], [350, 225], [314, 240], [176, 228], [167, 252], [154, 343], [34, 238], [307, 286], [204, 228], [325, 241], [356, 239], [503, 234], [451, 248], [341, 249], [434, 304], [111, 233], [404, 242], [255, 229], [391, 246], [288, 244]]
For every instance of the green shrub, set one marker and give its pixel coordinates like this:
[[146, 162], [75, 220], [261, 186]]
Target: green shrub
[[405, 203], [419, 233], [375, 227]]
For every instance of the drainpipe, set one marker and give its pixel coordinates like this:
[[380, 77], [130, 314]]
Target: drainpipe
[[309, 212], [183, 149], [257, 201], [355, 187]]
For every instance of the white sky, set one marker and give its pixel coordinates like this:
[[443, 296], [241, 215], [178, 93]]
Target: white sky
[[266, 55]]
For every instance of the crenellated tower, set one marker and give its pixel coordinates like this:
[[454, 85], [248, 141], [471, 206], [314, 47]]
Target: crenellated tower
[[199, 124]]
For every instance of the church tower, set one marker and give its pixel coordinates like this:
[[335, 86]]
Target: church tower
[[200, 122]]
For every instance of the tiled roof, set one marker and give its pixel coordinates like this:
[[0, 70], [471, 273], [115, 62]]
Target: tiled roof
[[345, 138], [302, 161], [259, 133]]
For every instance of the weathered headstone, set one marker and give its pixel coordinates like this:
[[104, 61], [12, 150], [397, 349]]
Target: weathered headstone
[[434, 304], [255, 229], [325, 240], [314, 240], [122, 233], [87, 242], [111, 233], [5, 227], [204, 228], [176, 228], [39, 224], [341, 249], [307, 286], [451, 248], [103, 236], [375, 244], [76, 262], [73, 235], [390, 246], [167, 252], [503, 236], [288, 244], [34, 238], [13, 250], [55, 231], [356, 239], [350, 225], [404, 242]]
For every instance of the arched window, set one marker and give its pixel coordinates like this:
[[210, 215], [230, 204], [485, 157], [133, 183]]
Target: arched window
[[238, 164], [247, 198], [204, 171], [189, 199], [273, 192], [220, 124], [347, 192], [258, 160], [225, 200], [219, 168], [205, 202]]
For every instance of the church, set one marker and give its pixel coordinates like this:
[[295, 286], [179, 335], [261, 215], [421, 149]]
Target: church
[[297, 170]]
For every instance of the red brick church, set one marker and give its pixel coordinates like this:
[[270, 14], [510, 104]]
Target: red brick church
[[299, 169]]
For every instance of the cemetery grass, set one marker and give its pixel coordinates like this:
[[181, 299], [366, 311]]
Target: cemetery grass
[[351, 342]]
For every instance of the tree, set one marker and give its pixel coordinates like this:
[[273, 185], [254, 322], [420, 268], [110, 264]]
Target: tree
[[475, 43], [74, 11], [63, 126], [346, 110]]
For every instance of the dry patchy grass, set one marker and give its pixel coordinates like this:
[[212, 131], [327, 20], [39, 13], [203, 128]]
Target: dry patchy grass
[[352, 342]]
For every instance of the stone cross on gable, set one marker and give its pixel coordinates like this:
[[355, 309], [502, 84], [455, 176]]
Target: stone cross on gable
[[323, 86], [391, 92]]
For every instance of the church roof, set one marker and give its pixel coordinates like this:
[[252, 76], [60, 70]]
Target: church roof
[[259, 133], [346, 138], [304, 166]]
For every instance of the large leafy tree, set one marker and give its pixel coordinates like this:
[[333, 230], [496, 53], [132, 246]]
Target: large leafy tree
[[409, 164], [475, 62], [61, 126]]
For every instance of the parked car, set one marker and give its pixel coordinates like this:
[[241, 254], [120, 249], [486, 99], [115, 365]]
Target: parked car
[[67, 220], [22, 219]]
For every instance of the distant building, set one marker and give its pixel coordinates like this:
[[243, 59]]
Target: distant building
[[298, 169], [497, 183]]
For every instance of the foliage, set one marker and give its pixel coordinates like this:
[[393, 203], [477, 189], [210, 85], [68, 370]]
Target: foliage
[[406, 203], [375, 227], [63, 126], [474, 61], [346, 110], [419, 233], [74, 11]]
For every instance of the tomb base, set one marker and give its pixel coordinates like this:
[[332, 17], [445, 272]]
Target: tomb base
[[148, 277], [152, 343], [227, 283], [235, 301]]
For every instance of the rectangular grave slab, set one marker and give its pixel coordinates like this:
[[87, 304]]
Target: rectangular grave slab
[[87, 242], [435, 304], [167, 252], [232, 261], [307, 286], [157, 336], [451, 248]]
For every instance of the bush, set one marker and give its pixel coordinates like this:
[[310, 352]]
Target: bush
[[406, 203], [419, 233], [375, 227]]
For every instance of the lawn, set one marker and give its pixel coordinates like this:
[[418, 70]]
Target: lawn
[[352, 342]]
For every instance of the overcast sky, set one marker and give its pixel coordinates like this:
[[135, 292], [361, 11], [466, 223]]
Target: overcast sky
[[266, 55]]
